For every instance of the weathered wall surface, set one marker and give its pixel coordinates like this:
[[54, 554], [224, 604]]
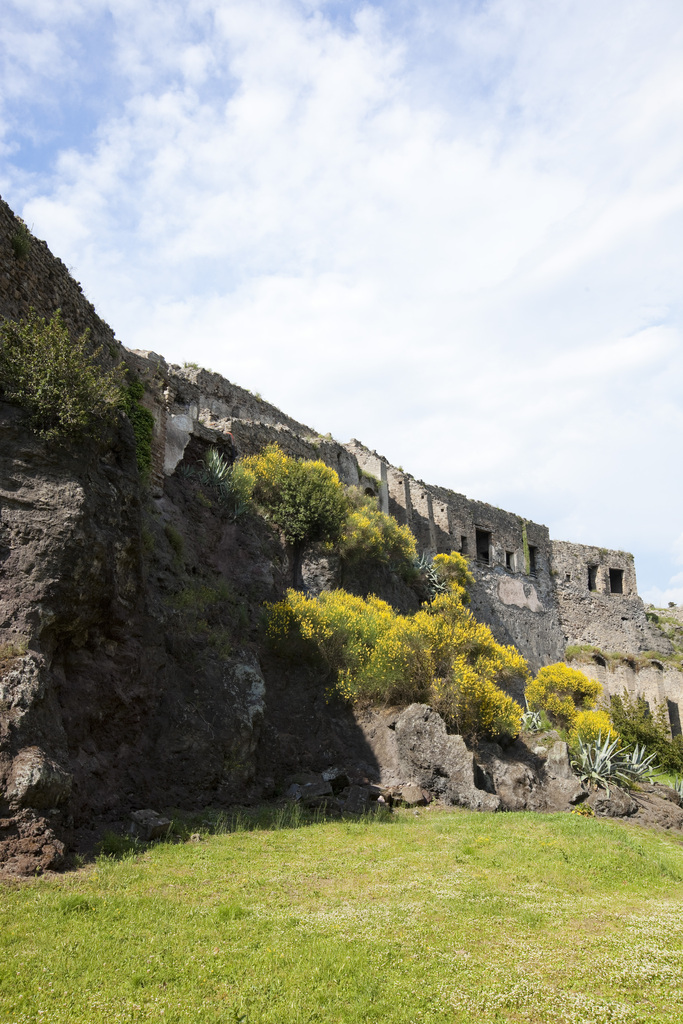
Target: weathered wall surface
[[592, 610], [657, 682]]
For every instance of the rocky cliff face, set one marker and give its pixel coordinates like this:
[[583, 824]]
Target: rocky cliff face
[[133, 672]]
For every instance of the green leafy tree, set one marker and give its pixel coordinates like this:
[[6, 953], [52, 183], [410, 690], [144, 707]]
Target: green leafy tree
[[305, 500], [58, 380]]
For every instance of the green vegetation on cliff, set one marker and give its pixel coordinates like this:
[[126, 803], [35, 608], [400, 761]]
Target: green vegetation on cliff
[[56, 378]]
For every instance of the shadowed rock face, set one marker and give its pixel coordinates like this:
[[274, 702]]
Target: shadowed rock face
[[114, 703], [133, 673]]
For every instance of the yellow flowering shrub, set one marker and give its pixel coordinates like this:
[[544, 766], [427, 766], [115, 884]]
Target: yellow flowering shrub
[[341, 628], [374, 536], [454, 570], [472, 704], [562, 692], [589, 725], [440, 654], [306, 500]]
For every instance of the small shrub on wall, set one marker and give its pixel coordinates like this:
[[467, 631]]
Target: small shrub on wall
[[142, 422], [371, 535], [562, 692], [57, 379]]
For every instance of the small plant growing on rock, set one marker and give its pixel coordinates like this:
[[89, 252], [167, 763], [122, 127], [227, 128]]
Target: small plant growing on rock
[[531, 721], [600, 763], [233, 485], [21, 242], [57, 379]]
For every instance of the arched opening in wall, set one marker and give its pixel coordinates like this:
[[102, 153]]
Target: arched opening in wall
[[599, 660], [592, 577], [369, 492], [616, 581], [483, 546]]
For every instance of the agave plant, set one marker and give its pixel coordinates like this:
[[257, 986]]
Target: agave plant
[[216, 470], [638, 764], [601, 762], [435, 584], [531, 721], [678, 785]]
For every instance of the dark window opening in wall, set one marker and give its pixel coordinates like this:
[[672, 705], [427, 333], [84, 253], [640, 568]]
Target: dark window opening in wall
[[509, 555], [592, 577], [463, 545], [616, 581], [674, 717], [483, 546], [532, 560], [568, 577], [369, 492]]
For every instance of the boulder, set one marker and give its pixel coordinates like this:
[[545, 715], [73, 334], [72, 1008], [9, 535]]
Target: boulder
[[440, 763], [618, 803], [35, 780], [357, 800], [312, 792], [148, 825], [528, 780], [412, 795], [28, 845]]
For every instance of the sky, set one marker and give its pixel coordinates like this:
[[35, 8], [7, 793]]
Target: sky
[[453, 230]]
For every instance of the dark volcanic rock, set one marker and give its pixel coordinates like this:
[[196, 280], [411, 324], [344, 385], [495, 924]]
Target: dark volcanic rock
[[28, 845], [440, 763]]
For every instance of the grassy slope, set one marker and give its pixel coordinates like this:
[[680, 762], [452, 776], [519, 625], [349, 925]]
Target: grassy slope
[[441, 917]]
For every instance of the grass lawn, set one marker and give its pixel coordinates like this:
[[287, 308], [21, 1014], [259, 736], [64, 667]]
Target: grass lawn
[[441, 917]]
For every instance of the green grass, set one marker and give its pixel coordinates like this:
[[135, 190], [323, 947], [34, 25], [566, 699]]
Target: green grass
[[445, 917]]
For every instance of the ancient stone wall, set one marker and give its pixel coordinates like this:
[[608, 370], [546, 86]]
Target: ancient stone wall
[[534, 594], [657, 682], [597, 600]]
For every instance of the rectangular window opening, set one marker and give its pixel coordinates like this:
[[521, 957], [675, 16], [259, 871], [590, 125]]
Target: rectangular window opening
[[463, 545], [509, 556], [616, 581], [592, 577], [483, 546], [532, 560]]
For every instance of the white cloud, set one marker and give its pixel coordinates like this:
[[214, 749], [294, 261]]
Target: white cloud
[[457, 236]]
